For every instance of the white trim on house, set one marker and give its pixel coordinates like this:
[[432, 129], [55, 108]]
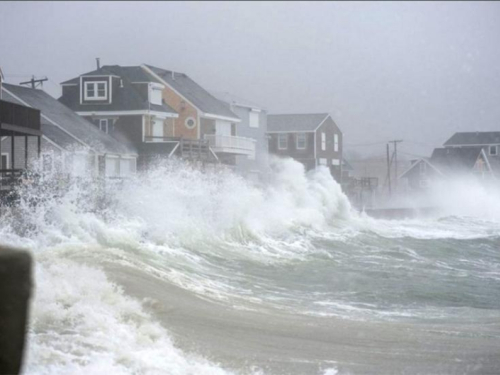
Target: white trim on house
[[487, 162], [96, 90], [286, 142], [496, 150], [167, 85], [290, 131], [297, 141], [418, 162], [321, 123], [175, 148], [126, 113], [224, 118], [208, 115], [472, 145]]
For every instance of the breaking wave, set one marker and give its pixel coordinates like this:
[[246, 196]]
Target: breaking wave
[[291, 246]]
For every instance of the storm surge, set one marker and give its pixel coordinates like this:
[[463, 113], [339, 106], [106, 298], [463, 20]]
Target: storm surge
[[183, 271]]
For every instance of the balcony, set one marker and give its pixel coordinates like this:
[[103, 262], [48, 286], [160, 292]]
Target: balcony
[[18, 118], [231, 144]]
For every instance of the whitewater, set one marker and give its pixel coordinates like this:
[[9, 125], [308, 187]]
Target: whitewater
[[183, 271]]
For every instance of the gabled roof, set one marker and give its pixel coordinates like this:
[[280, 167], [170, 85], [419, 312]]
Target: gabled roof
[[235, 100], [62, 125], [474, 138], [126, 98], [417, 162], [194, 93], [346, 166], [455, 160], [295, 122]]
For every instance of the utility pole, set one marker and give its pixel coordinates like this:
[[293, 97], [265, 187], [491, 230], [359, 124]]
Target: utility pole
[[34, 82], [395, 143], [389, 170]]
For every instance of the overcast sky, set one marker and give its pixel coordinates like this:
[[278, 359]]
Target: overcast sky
[[412, 71]]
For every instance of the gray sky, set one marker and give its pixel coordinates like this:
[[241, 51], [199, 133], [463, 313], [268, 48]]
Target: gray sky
[[414, 71]]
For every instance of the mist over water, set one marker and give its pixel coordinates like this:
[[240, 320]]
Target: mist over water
[[119, 274]]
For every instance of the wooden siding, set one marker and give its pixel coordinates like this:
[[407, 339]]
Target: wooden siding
[[185, 111]]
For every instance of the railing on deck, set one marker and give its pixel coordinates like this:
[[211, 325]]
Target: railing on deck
[[231, 144]]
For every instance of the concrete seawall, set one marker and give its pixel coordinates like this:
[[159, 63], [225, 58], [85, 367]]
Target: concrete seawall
[[15, 292]]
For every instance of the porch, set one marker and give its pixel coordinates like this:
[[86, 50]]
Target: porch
[[20, 141]]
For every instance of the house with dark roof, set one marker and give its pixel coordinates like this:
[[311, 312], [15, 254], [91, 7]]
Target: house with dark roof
[[253, 126], [69, 143], [20, 138], [312, 139], [488, 141], [126, 103], [449, 162], [202, 116]]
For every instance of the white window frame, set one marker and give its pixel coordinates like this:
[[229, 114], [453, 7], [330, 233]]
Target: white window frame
[[303, 137], [186, 123], [495, 147], [253, 119], [323, 161], [284, 137], [323, 141], [336, 142], [96, 96]]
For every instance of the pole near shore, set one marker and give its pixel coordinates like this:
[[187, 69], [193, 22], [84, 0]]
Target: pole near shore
[[389, 170], [15, 292]]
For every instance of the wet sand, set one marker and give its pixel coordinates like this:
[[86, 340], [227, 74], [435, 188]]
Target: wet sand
[[280, 343]]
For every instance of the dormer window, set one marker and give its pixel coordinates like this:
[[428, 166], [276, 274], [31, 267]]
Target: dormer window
[[96, 90]]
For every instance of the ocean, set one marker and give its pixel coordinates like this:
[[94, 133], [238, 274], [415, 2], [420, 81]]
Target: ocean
[[190, 272]]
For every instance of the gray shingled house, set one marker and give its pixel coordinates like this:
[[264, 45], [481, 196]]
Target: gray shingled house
[[488, 141], [126, 103], [253, 126], [71, 144], [446, 163], [312, 139]]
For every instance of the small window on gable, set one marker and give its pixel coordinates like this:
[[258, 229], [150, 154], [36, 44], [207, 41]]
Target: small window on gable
[[323, 141], [494, 150], [301, 141], [96, 90], [422, 167], [282, 141], [336, 142], [254, 119]]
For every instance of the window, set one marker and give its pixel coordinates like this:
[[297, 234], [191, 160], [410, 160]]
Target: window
[[323, 141], [494, 150], [254, 119], [282, 141], [104, 125], [301, 141], [155, 93], [323, 161], [336, 142], [190, 123], [96, 90], [5, 161]]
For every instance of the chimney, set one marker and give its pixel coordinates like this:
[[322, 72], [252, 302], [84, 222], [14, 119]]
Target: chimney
[[98, 62]]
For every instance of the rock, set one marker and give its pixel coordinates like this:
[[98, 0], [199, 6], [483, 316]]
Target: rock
[[15, 292]]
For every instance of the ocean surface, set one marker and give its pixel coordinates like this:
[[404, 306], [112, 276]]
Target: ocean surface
[[189, 272]]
